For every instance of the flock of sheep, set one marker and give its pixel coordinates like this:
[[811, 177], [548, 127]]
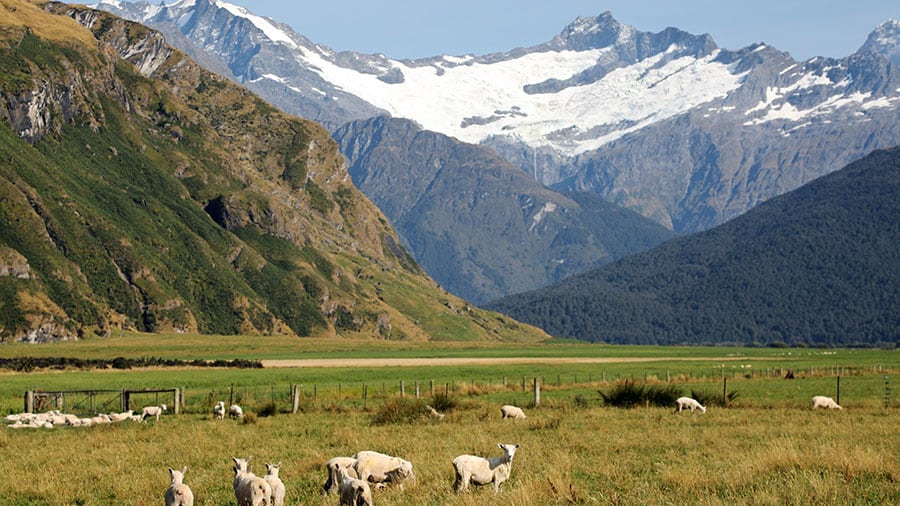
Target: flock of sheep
[[351, 477], [56, 418]]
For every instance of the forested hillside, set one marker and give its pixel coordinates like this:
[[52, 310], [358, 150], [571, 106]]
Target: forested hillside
[[820, 265]]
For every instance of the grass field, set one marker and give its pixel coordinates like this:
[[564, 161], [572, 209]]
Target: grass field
[[766, 447]]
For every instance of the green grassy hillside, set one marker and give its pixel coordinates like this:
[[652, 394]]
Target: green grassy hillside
[[146, 193]]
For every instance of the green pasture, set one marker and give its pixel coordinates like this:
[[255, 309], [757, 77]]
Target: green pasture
[[206, 347], [765, 447]]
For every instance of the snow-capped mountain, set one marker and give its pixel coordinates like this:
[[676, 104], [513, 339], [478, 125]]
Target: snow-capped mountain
[[885, 40], [665, 123]]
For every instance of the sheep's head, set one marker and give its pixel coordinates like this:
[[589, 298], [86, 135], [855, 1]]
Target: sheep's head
[[177, 476], [241, 465], [272, 469], [508, 450]]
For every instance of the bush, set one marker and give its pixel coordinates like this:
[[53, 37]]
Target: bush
[[399, 411], [629, 394], [268, 409], [714, 399], [443, 402]]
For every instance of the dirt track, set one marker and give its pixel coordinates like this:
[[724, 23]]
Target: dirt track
[[419, 362]]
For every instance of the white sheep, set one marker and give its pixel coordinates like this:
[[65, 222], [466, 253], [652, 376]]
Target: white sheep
[[235, 411], [179, 494], [119, 417], [334, 474], [219, 411], [435, 412], [820, 401], [353, 491], [687, 402], [379, 468], [513, 412], [153, 411], [275, 482], [481, 471], [249, 489]]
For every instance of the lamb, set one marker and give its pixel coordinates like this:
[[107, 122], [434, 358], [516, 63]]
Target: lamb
[[820, 401], [687, 402], [435, 412], [353, 491], [118, 417], [152, 411], [219, 411], [481, 471], [179, 494], [235, 411], [513, 412], [249, 489], [334, 475], [275, 482], [379, 468]]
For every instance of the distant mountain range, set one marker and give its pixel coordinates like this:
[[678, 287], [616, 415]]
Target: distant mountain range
[[140, 191], [665, 124], [481, 227], [819, 266]]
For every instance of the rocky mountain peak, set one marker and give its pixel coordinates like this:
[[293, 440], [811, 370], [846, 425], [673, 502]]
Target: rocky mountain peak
[[884, 40]]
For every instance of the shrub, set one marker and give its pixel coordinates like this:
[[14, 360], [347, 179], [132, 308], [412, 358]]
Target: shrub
[[714, 399], [443, 402], [249, 418], [629, 394], [399, 411], [268, 409]]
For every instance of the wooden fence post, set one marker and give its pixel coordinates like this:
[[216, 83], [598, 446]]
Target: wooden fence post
[[537, 392], [295, 398], [177, 403], [417, 389], [402, 388], [29, 401]]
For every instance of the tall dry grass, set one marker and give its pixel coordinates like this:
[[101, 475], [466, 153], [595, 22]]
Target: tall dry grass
[[568, 455]]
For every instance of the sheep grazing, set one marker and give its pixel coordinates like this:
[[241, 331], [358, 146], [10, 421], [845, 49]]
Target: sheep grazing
[[235, 411], [481, 471], [687, 402], [249, 489], [219, 410], [275, 482], [820, 401], [435, 412], [382, 469], [179, 494], [353, 491], [513, 412], [334, 474], [152, 411]]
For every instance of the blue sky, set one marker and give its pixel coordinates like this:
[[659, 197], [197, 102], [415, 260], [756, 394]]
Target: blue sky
[[420, 28]]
